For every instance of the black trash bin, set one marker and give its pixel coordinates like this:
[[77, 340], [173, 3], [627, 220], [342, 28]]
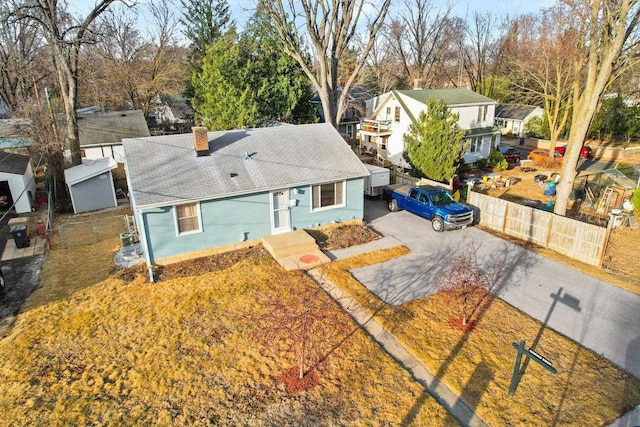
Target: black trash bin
[[20, 236]]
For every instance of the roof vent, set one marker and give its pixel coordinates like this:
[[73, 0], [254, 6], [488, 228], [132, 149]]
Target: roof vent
[[200, 140], [247, 156]]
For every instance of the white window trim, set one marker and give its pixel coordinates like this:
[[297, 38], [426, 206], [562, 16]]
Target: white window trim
[[337, 205], [175, 220]]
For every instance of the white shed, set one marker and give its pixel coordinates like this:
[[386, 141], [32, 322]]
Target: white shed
[[17, 183], [91, 184]]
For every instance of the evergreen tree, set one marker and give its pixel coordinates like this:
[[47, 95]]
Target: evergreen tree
[[204, 22], [248, 81], [434, 142]]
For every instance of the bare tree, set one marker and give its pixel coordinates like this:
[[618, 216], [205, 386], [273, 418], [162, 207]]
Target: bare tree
[[21, 64], [466, 283], [139, 66], [482, 51], [542, 53], [331, 28], [380, 72], [65, 36], [609, 40], [302, 321], [418, 37]]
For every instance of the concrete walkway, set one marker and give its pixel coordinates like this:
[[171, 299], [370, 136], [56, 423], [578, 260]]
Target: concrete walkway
[[449, 400]]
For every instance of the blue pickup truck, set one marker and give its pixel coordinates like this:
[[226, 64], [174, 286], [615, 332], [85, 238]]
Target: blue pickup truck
[[431, 203]]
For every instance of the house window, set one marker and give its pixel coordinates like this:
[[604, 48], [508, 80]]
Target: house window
[[484, 112], [494, 145], [479, 112], [397, 114], [328, 195], [476, 144], [350, 131], [187, 218]]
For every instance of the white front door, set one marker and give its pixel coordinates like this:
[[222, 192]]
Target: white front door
[[280, 218]]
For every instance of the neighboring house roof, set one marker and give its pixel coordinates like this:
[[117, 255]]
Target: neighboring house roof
[[111, 128], [451, 97], [13, 163], [240, 162], [88, 169], [514, 111], [10, 134]]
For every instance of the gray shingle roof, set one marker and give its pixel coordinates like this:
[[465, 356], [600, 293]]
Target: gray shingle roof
[[111, 128], [164, 170], [13, 163], [451, 97], [514, 111]]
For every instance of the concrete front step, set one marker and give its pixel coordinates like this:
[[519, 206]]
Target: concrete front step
[[295, 250], [288, 244]]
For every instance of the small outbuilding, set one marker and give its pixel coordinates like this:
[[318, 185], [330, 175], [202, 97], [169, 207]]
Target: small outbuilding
[[91, 184], [17, 183]]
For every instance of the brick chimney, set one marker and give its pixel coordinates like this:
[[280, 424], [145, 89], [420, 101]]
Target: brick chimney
[[200, 140], [417, 84]]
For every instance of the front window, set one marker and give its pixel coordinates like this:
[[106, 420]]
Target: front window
[[484, 112], [397, 114], [328, 195], [187, 218], [475, 145], [350, 131], [479, 113]]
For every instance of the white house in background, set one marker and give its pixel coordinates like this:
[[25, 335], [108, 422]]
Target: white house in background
[[513, 118], [17, 185], [101, 134], [390, 114]]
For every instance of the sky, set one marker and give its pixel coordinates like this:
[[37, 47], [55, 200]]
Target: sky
[[240, 9]]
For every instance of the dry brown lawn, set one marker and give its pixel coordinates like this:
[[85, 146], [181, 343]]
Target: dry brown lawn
[[96, 345], [588, 390], [184, 352]]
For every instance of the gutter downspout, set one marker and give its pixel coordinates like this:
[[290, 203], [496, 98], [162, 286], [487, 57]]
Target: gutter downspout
[[143, 238]]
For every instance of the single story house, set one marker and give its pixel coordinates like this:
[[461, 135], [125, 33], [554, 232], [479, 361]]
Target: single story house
[[390, 115], [513, 118], [101, 134], [17, 183], [91, 184], [207, 190]]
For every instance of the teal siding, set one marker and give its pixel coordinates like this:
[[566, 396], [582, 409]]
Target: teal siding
[[224, 221], [303, 217], [232, 220]]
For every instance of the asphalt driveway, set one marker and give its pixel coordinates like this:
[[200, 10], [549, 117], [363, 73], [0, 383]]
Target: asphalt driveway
[[594, 313]]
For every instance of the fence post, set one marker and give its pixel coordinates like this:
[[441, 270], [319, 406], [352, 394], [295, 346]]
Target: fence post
[[96, 231], [61, 235]]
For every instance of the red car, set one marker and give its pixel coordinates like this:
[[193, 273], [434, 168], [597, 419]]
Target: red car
[[586, 152]]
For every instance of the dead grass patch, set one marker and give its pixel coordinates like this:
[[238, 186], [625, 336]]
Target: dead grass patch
[[182, 352], [478, 364], [342, 236]]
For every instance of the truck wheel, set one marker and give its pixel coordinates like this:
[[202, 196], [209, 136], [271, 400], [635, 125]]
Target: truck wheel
[[437, 224], [517, 160], [393, 205]]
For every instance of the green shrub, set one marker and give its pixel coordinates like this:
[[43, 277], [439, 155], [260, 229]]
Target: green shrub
[[482, 163], [635, 199], [497, 161]]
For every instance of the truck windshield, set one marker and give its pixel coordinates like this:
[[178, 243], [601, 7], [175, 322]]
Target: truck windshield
[[442, 199]]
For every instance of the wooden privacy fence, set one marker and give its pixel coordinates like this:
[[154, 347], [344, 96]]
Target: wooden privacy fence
[[577, 240]]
